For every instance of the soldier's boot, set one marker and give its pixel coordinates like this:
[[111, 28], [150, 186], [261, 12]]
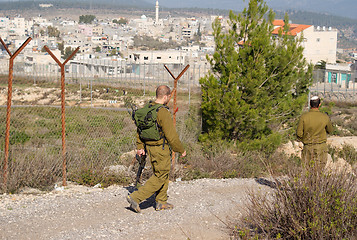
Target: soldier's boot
[[163, 206], [133, 205]]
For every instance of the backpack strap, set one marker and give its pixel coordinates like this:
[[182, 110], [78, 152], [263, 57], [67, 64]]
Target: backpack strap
[[158, 126]]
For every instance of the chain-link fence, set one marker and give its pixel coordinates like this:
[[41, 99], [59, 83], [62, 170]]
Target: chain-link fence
[[335, 85], [86, 78], [96, 138], [99, 129]]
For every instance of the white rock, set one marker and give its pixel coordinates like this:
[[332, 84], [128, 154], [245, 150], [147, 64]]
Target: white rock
[[338, 166]]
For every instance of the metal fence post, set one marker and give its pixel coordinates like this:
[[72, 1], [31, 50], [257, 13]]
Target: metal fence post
[[63, 115], [8, 113], [174, 92]]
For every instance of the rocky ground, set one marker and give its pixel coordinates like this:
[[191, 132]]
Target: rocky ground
[[204, 209]]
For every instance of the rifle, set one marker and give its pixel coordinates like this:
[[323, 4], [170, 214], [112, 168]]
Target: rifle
[[142, 160], [128, 103]]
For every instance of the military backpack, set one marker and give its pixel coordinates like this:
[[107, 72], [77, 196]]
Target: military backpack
[[146, 121]]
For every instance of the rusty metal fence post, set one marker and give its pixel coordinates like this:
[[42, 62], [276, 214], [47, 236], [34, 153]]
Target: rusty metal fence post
[[174, 93], [63, 115], [9, 99]]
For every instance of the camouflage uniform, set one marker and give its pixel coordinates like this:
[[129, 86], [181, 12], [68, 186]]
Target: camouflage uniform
[[312, 131], [160, 157]]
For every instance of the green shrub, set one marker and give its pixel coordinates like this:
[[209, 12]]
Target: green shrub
[[267, 144], [307, 205], [91, 168], [93, 176], [230, 174], [348, 153], [327, 107], [18, 137], [196, 174]]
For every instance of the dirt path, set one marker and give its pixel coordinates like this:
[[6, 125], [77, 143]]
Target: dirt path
[[202, 208]]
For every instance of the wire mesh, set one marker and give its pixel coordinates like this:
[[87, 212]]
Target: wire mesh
[[335, 85], [99, 130]]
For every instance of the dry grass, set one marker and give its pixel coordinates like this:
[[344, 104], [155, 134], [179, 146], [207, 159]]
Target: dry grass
[[95, 138], [307, 205], [33, 169], [343, 117]]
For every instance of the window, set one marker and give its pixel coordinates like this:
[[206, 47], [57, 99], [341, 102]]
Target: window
[[146, 58], [317, 39], [158, 57]]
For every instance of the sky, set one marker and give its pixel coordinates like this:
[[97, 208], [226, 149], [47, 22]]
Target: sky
[[346, 8]]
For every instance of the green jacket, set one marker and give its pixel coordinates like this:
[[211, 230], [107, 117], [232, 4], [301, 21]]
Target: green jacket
[[165, 121], [313, 127]]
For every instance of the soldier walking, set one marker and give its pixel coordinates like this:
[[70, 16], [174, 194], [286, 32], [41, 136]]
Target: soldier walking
[[159, 152]]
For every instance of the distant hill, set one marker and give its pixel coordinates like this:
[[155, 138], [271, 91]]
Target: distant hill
[[317, 19], [343, 8], [85, 4], [346, 8]]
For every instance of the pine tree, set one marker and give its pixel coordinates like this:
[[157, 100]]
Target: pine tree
[[258, 82]]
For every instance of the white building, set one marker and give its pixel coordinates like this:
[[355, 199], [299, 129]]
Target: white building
[[339, 75], [42, 22], [164, 57], [20, 26], [319, 43], [4, 22], [41, 57]]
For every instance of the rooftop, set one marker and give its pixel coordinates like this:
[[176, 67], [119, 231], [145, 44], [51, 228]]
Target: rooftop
[[294, 28]]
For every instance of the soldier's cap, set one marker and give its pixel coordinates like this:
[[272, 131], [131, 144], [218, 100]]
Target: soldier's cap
[[313, 98]]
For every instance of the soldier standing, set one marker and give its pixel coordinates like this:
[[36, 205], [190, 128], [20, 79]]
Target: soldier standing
[[159, 152], [312, 131]]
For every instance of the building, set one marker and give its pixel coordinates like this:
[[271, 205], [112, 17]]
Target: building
[[320, 43], [97, 30], [339, 74], [164, 57]]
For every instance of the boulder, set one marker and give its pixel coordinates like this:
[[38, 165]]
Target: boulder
[[117, 169], [339, 165], [338, 142], [128, 155], [292, 148]]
